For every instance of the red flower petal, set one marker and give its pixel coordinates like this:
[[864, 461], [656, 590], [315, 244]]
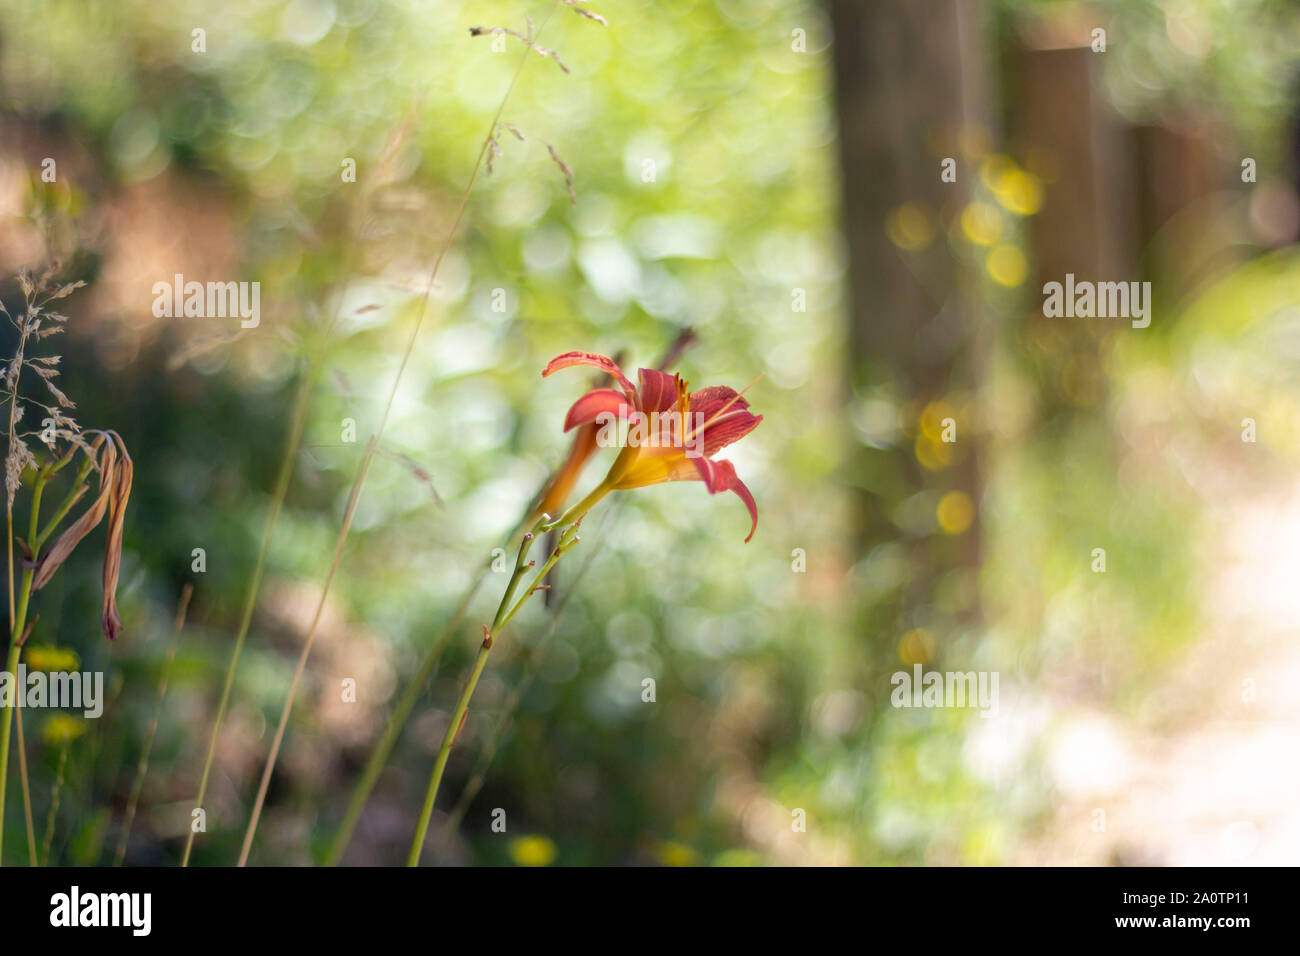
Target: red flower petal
[[712, 399], [598, 400], [658, 390], [606, 365], [721, 476], [726, 416], [730, 427]]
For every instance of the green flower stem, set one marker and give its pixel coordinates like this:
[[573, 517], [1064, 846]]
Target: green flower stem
[[73, 496], [11, 660], [380, 753], [383, 748], [32, 859], [6, 723], [575, 514], [490, 635]]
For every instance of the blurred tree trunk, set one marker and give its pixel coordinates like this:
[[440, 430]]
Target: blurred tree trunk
[[911, 89]]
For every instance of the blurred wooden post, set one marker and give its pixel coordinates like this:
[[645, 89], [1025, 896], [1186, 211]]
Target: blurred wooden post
[[1059, 117], [1062, 126], [910, 80]]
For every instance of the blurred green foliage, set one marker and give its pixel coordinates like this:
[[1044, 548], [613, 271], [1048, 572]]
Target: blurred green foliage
[[703, 152]]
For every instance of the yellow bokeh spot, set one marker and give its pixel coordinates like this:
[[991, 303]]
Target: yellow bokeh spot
[[955, 513], [916, 647], [1007, 265], [60, 729], [981, 223], [993, 169], [40, 657], [909, 227], [533, 851], [1021, 192], [1016, 189], [931, 454], [932, 419], [672, 853]]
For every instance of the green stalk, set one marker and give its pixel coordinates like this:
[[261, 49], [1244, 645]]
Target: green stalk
[[503, 616], [27, 789], [479, 775], [54, 804], [142, 768], [302, 403], [384, 747], [73, 496], [15, 649], [348, 513], [292, 442], [364, 469], [6, 721]]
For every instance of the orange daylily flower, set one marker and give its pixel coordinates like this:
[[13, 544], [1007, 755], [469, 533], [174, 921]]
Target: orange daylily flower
[[686, 429], [551, 499]]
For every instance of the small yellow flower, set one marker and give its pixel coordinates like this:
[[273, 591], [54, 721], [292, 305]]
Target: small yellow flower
[[41, 657], [60, 730], [672, 853], [533, 851]]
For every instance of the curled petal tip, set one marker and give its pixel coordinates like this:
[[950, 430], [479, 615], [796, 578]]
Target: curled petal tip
[[721, 476], [595, 360]]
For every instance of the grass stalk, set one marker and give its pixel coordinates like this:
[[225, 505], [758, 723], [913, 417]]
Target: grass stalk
[[6, 723], [32, 859], [142, 768], [19, 619], [383, 748], [364, 469], [54, 804], [293, 442]]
